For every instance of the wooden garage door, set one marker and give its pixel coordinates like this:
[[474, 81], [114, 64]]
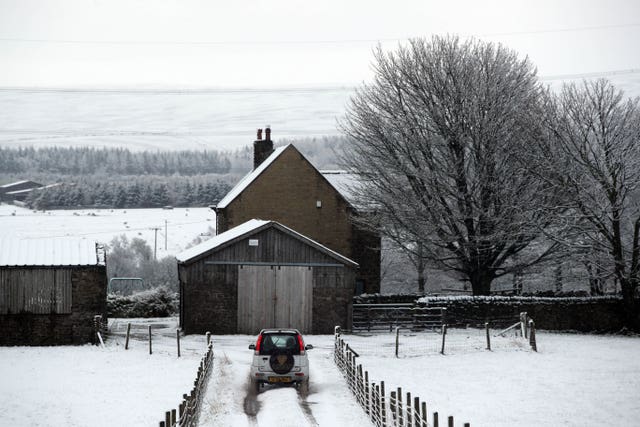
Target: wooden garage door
[[274, 297]]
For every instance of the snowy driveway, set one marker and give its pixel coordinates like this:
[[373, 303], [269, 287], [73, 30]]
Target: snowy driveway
[[230, 402]]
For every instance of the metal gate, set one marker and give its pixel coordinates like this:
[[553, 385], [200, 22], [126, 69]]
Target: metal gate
[[274, 297]]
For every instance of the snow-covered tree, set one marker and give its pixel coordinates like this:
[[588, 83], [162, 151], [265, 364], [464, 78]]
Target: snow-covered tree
[[593, 160], [436, 139]]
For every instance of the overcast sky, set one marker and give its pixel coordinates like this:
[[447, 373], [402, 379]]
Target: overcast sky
[[249, 43]]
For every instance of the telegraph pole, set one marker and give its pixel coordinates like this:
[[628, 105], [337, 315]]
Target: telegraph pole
[[155, 243], [165, 234]]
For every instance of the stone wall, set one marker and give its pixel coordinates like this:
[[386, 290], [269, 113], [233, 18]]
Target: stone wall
[[589, 314], [89, 298]]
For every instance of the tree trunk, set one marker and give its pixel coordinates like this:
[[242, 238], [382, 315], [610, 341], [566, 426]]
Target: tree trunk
[[631, 316], [481, 282]]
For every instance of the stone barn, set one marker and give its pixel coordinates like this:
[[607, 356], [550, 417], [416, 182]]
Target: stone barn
[[262, 274], [50, 291]]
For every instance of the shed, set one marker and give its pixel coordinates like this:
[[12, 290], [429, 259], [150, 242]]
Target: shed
[[262, 274], [50, 291]]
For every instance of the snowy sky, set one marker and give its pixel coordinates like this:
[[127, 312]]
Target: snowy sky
[[249, 43]]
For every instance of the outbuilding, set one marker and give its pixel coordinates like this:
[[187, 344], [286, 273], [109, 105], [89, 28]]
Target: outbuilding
[[262, 274], [50, 291]]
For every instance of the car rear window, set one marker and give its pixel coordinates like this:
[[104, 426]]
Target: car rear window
[[279, 343]]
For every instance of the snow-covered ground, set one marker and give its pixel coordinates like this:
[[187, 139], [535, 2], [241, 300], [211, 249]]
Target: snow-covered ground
[[230, 402], [92, 386], [573, 380], [183, 225]]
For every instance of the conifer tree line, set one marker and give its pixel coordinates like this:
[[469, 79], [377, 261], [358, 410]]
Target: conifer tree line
[[135, 192], [89, 161]]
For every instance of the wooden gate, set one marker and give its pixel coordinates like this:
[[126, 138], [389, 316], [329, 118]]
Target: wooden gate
[[274, 297]]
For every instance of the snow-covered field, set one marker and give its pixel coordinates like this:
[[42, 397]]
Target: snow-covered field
[[574, 380], [183, 225], [92, 386]]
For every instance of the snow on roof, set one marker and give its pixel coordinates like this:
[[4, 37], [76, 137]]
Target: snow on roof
[[50, 252], [343, 182], [220, 239], [250, 177], [12, 184], [247, 228]]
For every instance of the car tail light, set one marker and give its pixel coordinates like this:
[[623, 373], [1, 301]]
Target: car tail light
[[258, 343], [301, 344]]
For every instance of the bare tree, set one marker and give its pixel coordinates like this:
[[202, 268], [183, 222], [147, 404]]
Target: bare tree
[[594, 160], [435, 139]]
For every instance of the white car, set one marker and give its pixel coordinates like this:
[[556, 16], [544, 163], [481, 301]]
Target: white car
[[280, 357]]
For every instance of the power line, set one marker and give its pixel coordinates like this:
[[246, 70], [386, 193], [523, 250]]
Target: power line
[[290, 42]]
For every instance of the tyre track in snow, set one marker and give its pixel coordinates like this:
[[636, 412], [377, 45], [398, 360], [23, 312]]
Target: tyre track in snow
[[230, 401]]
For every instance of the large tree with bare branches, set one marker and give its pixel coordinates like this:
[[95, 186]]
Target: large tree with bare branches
[[593, 159], [436, 139]]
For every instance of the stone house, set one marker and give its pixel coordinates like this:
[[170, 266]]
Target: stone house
[[285, 187]]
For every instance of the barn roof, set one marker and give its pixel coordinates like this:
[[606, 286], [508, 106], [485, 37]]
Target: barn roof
[[50, 252], [249, 228]]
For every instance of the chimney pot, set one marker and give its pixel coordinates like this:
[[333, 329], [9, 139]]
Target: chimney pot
[[259, 137], [267, 132]]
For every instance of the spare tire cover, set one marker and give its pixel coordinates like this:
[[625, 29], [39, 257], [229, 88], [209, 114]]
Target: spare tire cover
[[281, 363]]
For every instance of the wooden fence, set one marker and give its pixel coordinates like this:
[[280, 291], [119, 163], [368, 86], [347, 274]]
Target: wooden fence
[[386, 317], [394, 409], [189, 410]]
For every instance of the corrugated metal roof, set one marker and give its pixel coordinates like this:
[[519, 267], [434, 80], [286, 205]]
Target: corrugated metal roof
[[247, 229], [50, 252]]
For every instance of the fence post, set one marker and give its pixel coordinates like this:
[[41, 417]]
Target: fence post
[[150, 350], [450, 420], [392, 405], [208, 334], [167, 418], [416, 409], [409, 411], [424, 415], [382, 404], [486, 326], [178, 340], [173, 417], [397, 340], [399, 404], [444, 334], [162, 424], [436, 423], [523, 323], [126, 341], [532, 335], [367, 395]]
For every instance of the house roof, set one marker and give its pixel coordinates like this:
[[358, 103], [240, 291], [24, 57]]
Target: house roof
[[247, 229], [341, 181], [50, 252], [250, 177], [344, 183]]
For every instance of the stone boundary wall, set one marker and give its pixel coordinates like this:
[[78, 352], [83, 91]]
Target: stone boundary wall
[[583, 314]]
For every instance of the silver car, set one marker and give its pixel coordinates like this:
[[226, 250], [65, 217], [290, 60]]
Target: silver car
[[280, 357]]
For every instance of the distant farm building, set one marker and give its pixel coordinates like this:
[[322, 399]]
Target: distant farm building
[[285, 187], [50, 291], [263, 274], [18, 190]]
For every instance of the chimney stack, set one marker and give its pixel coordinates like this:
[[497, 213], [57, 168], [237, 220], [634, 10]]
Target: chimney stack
[[262, 148]]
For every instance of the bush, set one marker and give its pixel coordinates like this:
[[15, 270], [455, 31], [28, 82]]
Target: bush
[[159, 302]]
